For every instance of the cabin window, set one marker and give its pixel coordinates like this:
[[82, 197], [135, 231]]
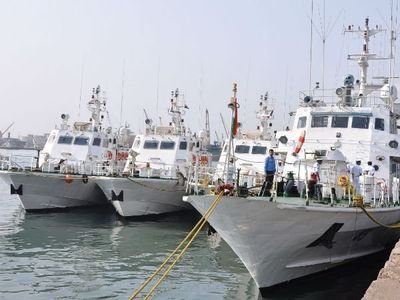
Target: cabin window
[[64, 139], [360, 122], [302, 122], [319, 121], [380, 124], [167, 145], [182, 145], [96, 142], [105, 143], [320, 153], [259, 150], [340, 122], [242, 149], [150, 144], [51, 139], [81, 140]]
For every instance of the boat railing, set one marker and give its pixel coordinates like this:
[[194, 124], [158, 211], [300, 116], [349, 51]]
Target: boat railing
[[94, 167], [159, 169], [17, 162], [200, 179], [328, 97], [206, 178]]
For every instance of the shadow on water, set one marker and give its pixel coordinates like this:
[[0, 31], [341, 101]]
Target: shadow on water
[[93, 253], [183, 216], [349, 281]]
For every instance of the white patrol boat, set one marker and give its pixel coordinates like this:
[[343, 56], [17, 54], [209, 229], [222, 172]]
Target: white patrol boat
[[248, 150], [313, 226], [157, 167], [62, 177]]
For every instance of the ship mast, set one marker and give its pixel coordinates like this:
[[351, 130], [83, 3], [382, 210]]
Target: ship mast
[[264, 114], [96, 105], [230, 156], [177, 111], [363, 58]]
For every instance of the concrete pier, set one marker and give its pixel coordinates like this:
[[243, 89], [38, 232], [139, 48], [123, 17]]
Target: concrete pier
[[387, 285]]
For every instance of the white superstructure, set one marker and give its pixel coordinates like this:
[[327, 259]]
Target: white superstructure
[[359, 118], [71, 155], [248, 149], [316, 221], [157, 167]]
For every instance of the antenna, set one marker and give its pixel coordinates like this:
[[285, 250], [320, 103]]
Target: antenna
[[158, 86], [311, 41], [122, 92], [80, 92], [208, 127], [323, 33], [392, 60]]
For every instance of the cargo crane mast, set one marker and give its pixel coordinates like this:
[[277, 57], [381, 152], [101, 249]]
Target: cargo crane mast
[[3, 132], [223, 123], [149, 123]]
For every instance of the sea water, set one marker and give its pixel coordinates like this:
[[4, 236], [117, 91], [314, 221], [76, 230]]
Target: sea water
[[93, 254]]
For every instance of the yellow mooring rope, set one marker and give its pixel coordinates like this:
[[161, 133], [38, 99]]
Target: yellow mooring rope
[[194, 232], [396, 225]]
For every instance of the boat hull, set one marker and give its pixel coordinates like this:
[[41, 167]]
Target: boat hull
[[144, 196], [280, 242], [43, 191]]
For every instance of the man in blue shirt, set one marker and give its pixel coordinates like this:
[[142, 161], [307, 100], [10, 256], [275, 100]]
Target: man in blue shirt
[[270, 169]]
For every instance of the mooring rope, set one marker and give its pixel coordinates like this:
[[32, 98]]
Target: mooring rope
[[194, 232], [395, 225]]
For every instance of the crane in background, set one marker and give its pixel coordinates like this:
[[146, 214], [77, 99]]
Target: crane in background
[[223, 123], [149, 122], [3, 132]]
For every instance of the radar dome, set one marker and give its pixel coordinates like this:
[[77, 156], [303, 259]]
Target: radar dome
[[348, 80], [307, 99]]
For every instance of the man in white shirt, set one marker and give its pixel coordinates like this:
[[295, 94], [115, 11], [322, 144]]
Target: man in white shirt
[[369, 169], [317, 168], [356, 172]]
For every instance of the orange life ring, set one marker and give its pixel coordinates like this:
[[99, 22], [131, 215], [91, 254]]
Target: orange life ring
[[68, 178], [300, 142], [120, 155], [343, 181]]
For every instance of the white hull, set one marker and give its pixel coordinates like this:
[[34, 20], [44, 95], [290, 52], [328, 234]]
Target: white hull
[[144, 196], [42, 191], [280, 242]]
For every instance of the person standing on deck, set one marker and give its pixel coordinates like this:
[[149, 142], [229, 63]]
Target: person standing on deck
[[270, 169], [369, 169], [314, 179], [356, 172]]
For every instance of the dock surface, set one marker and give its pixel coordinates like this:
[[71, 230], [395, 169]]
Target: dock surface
[[387, 285]]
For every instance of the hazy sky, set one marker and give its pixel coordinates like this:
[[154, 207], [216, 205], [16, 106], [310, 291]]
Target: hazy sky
[[200, 47]]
